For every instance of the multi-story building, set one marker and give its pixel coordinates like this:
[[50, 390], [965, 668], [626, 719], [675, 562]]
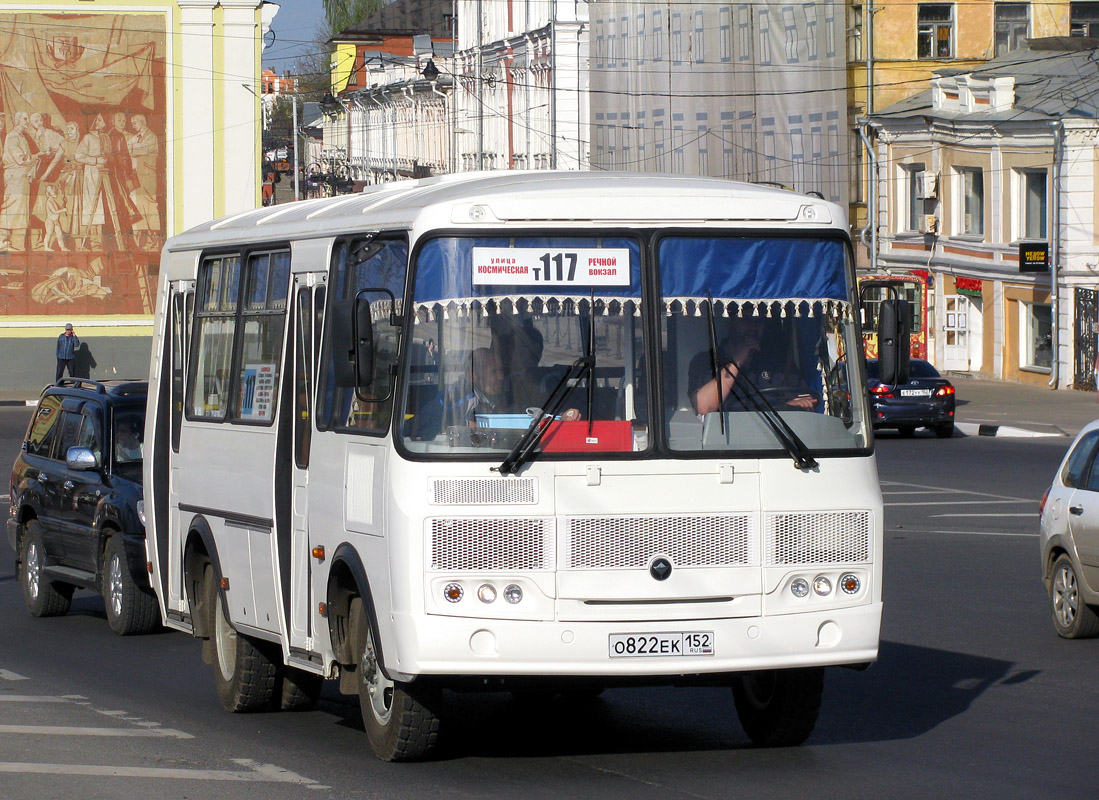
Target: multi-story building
[[751, 91], [391, 114], [895, 46], [989, 181], [123, 123], [522, 85]]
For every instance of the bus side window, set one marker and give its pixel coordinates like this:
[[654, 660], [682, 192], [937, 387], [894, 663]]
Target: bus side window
[[375, 269]]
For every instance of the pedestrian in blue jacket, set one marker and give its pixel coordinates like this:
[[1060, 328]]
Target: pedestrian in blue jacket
[[67, 345]]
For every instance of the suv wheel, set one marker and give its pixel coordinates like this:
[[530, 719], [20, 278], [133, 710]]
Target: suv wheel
[[44, 598], [130, 608]]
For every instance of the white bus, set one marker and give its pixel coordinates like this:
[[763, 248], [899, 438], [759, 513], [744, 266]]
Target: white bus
[[466, 433]]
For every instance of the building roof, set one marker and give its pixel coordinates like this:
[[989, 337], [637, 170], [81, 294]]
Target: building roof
[[1054, 78], [405, 18]]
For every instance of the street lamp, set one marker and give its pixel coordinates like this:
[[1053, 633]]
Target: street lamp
[[430, 71]]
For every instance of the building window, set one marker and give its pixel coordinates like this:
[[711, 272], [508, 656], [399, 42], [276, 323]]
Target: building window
[[935, 32], [1012, 23], [1032, 203], [676, 53], [912, 206], [658, 35], [1083, 19], [972, 200], [725, 34], [699, 42], [1036, 347]]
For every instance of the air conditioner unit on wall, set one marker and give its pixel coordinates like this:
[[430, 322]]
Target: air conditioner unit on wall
[[927, 185], [929, 223]]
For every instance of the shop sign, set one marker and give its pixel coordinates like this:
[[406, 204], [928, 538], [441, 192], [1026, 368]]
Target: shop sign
[[1033, 256], [968, 286]]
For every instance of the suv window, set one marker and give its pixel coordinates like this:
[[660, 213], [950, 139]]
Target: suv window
[[129, 430], [41, 434], [90, 433]]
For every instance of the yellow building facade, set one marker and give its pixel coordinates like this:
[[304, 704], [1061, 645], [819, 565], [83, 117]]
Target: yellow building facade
[[121, 124]]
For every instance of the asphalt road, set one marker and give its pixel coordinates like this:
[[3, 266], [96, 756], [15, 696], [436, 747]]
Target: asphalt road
[[974, 695]]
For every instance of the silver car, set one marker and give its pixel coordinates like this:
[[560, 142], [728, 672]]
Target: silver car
[[1069, 515]]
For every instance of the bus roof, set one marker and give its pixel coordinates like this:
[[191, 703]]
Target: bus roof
[[482, 199]]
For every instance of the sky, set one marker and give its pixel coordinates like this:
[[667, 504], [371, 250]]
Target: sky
[[294, 28]]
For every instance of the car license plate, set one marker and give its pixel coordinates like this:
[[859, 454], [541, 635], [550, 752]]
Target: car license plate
[[915, 392], [639, 645]]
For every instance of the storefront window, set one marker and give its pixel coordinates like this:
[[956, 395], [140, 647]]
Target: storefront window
[[1037, 342]]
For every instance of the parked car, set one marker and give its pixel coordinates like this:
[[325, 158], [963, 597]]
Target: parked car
[[1069, 521], [926, 401], [76, 515]]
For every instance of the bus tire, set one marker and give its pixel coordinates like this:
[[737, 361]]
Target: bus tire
[[298, 690], [131, 609], [43, 597], [401, 719], [779, 707], [243, 674]]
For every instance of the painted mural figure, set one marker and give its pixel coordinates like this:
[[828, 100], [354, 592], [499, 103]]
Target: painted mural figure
[[144, 152], [70, 182], [20, 160]]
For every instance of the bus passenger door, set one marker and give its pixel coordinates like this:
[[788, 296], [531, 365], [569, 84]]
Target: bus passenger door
[[308, 309]]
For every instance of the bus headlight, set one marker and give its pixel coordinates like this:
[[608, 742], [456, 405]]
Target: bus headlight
[[513, 593], [486, 593], [799, 587], [822, 586], [453, 592]]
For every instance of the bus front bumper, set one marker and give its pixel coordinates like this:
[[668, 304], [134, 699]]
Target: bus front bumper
[[449, 646]]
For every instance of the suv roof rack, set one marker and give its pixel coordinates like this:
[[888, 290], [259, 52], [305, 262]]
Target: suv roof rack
[[121, 388]]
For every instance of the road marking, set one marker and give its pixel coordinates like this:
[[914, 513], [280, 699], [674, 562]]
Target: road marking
[[906, 531], [259, 773], [12, 676], [949, 490], [30, 698], [1025, 516], [961, 503], [60, 730]]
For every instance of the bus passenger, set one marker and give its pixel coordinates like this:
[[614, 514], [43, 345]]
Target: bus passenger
[[736, 355]]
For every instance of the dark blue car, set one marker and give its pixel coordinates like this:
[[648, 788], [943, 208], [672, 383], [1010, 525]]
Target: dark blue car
[[925, 401]]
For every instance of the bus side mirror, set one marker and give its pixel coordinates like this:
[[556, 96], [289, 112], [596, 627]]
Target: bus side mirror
[[894, 327], [362, 336]]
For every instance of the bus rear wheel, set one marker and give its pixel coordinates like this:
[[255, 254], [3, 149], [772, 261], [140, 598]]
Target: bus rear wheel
[[243, 674], [779, 707], [401, 719]]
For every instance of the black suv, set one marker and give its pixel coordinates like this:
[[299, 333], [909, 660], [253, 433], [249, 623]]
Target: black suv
[[77, 516]]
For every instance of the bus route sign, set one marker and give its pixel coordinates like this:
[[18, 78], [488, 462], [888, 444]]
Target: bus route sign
[[543, 266]]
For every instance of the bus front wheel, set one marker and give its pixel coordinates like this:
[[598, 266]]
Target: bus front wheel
[[243, 674], [779, 707], [401, 719]]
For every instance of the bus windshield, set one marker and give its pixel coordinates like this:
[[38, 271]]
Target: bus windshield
[[516, 331], [754, 336]]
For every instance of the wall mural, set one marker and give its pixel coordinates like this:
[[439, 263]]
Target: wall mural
[[82, 122]]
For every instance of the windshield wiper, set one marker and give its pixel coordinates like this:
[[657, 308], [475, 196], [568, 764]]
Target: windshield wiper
[[524, 448], [750, 395]]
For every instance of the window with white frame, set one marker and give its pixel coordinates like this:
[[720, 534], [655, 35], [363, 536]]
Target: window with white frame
[[676, 53], [725, 34], [699, 41], [935, 30], [1031, 194], [658, 35], [639, 38], [1012, 25], [1036, 332], [911, 205], [970, 196]]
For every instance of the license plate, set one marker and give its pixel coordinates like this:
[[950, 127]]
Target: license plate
[[915, 392], [640, 645]]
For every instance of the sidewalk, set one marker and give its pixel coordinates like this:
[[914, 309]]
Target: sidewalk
[[1002, 408]]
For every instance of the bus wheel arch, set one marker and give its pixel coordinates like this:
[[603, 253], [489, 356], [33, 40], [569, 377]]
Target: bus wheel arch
[[198, 552]]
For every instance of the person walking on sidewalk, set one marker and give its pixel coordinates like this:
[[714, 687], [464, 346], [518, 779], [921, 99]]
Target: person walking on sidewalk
[[67, 345]]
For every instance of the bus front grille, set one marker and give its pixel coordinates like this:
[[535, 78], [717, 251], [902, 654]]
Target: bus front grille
[[492, 544], [483, 491], [631, 542], [824, 537]]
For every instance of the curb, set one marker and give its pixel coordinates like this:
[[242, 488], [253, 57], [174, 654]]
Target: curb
[[18, 402], [981, 429]]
